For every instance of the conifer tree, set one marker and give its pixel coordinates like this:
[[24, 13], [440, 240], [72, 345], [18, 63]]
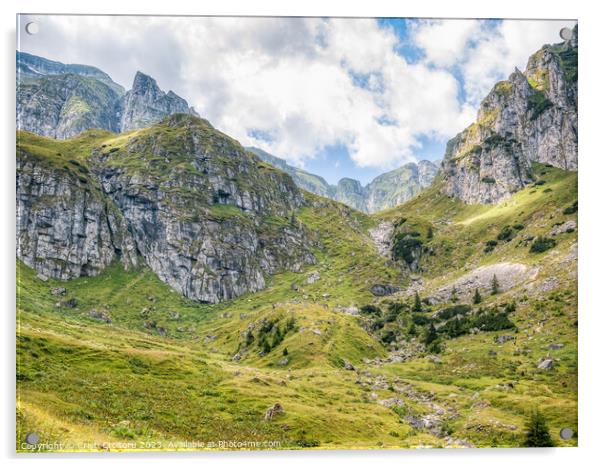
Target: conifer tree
[[417, 308], [537, 434], [476, 299], [495, 285]]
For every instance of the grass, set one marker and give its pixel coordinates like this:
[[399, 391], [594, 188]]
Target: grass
[[166, 369]]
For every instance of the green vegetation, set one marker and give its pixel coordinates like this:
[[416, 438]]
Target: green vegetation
[[538, 103], [541, 244], [538, 433]]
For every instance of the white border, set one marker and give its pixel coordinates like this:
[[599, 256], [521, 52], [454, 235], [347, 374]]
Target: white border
[[590, 226]]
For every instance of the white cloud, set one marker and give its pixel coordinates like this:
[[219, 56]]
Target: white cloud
[[298, 80], [483, 52]]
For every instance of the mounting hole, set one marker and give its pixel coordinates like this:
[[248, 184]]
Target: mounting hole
[[566, 34], [32, 28], [32, 438], [566, 433]]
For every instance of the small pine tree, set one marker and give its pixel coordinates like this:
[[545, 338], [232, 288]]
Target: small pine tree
[[285, 352], [454, 295], [476, 299], [429, 234], [417, 308], [495, 285], [431, 335], [537, 434]]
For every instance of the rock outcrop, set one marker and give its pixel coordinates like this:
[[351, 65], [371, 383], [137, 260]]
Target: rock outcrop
[[146, 104], [205, 215], [61, 101], [531, 117]]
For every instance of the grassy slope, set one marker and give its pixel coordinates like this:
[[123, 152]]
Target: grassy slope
[[80, 379]]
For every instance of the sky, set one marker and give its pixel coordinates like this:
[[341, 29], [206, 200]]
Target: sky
[[339, 97]]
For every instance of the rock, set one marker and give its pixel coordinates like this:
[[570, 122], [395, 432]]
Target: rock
[[294, 287], [69, 303], [74, 223], [508, 275], [100, 315], [348, 366], [283, 362], [546, 364], [381, 236], [312, 277], [382, 290], [237, 356], [57, 291], [317, 332], [504, 338], [568, 226], [555, 346], [434, 358], [532, 116], [392, 402], [274, 411]]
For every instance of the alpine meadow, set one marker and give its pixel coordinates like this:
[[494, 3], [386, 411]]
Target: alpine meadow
[[180, 290]]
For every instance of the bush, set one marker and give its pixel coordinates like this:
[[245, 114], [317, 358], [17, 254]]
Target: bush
[[453, 311], [489, 180], [506, 234], [490, 320], [572, 209], [490, 246], [538, 103], [404, 247], [541, 244], [370, 310], [538, 433]]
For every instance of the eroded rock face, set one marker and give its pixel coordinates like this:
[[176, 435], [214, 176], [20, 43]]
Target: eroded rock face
[[530, 117], [202, 213], [61, 101], [65, 227], [146, 104]]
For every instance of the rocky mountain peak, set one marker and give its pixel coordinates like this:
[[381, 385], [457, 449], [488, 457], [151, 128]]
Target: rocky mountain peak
[[530, 117]]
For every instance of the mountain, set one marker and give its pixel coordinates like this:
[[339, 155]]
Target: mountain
[[173, 286], [61, 101], [531, 117], [205, 215], [31, 67], [146, 104], [308, 181], [400, 185], [385, 191]]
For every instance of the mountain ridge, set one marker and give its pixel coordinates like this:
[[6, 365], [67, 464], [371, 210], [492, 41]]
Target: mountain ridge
[[385, 191]]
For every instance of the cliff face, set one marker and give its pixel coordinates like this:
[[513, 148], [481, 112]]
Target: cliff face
[[207, 217], [65, 226], [146, 104], [61, 101], [530, 117]]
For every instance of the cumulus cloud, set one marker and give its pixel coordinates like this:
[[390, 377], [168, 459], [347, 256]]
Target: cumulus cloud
[[297, 86], [482, 52]]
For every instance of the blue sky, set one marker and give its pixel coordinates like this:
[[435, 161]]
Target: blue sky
[[338, 97]]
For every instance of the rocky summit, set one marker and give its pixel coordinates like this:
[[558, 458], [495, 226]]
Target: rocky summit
[[205, 215], [531, 117], [60, 101]]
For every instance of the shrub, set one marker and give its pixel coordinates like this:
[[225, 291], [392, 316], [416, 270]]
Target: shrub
[[495, 285], [537, 104], [572, 209], [405, 246], [506, 234], [489, 180], [538, 433], [453, 311], [476, 299], [417, 308], [370, 310], [541, 244], [490, 246], [518, 226]]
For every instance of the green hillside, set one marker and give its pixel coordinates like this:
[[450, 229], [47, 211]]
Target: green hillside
[[122, 358]]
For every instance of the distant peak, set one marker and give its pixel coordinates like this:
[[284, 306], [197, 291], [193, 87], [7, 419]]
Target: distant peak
[[142, 81]]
